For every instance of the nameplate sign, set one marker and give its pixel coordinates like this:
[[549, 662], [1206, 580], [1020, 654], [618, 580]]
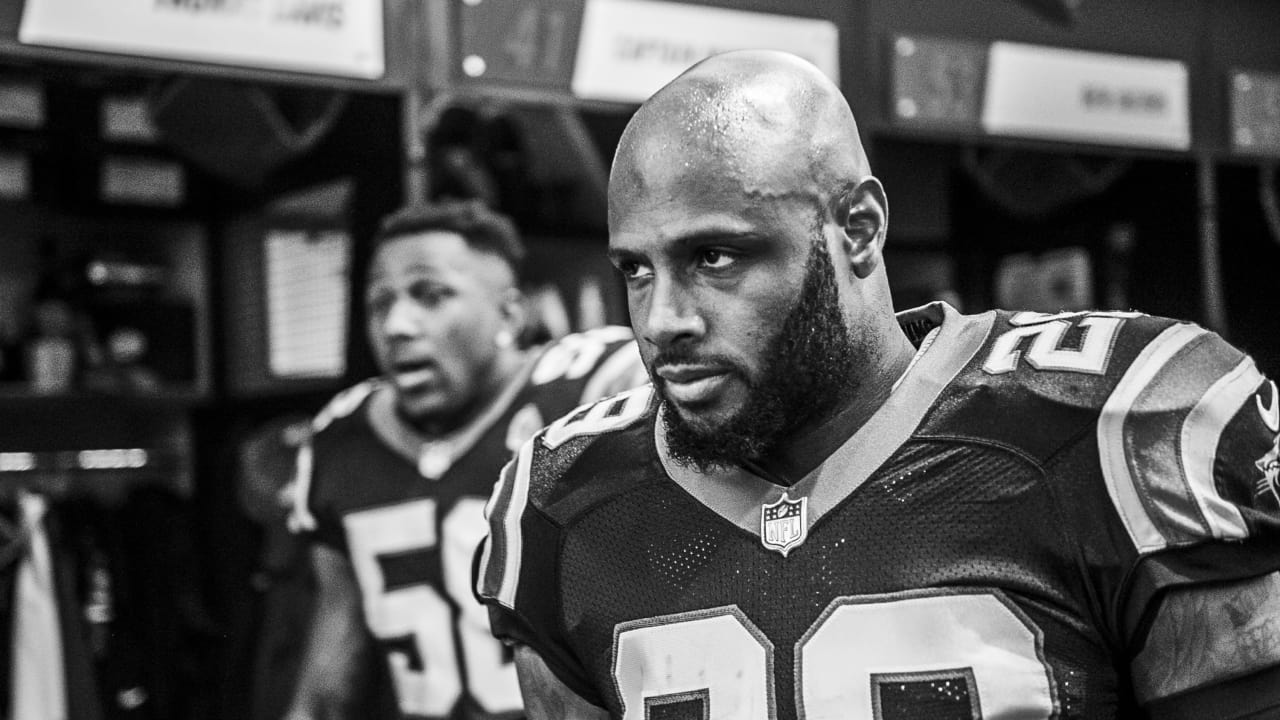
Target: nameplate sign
[[630, 48], [329, 37], [1077, 96], [1255, 113]]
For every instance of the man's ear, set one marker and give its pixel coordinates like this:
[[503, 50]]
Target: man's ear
[[514, 311], [864, 219]]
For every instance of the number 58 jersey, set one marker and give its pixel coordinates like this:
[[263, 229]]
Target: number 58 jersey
[[408, 514], [1070, 516]]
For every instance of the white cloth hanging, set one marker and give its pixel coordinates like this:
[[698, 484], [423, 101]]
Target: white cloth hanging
[[38, 690]]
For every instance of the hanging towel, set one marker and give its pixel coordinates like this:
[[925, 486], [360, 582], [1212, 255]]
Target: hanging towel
[[38, 691]]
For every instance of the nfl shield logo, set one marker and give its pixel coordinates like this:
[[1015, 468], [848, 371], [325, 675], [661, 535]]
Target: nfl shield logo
[[784, 524]]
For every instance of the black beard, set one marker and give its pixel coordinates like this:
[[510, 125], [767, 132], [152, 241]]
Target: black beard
[[807, 377]]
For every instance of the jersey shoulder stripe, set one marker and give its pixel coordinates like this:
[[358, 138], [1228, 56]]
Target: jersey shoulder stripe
[[500, 554], [1158, 435], [500, 560], [342, 405]]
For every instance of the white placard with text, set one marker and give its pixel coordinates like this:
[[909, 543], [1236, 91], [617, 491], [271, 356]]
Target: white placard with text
[[1073, 95], [630, 48], [331, 37], [308, 293]]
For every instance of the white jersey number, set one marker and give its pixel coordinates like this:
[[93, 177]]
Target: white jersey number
[[864, 658], [414, 621], [1046, 351]]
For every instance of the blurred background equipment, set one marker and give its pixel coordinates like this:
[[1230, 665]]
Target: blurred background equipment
[[1059, 280], [1033, 184], [276, 624], [1062, 12], [241, 132]]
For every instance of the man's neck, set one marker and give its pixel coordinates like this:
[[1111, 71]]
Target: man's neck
[[505, 369]]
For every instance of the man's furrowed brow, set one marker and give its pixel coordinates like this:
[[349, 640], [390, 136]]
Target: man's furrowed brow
[[712, 235], [619, 255], [687, 241]]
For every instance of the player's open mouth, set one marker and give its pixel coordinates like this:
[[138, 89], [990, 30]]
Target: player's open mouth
[[410, 374]]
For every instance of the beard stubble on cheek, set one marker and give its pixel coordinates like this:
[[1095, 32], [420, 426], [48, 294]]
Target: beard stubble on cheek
[[806, 378]]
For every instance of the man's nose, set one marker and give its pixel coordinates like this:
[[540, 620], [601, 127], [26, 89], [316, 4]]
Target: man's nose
[[402, 319], [674, 314]]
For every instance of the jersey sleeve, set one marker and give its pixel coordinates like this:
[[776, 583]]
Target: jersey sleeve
[[515, 572], [1188, 444], [309, 513], [518, 566], [1213, 650]]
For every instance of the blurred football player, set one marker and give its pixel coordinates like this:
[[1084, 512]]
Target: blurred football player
[[392, 482], [821, 510]]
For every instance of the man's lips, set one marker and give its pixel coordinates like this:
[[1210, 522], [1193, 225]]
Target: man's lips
[[692, 384], [688, 373], [414, 373]]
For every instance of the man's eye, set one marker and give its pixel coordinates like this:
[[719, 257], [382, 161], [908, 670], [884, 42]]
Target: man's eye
[[428, 293], [633, 270], [715, 259]]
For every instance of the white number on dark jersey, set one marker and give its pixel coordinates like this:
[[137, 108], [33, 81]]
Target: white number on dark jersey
[[865, 658], [1093, 353], [415, 621]]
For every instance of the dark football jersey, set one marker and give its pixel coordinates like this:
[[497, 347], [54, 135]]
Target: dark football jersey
[[992, 543], [409, 514]]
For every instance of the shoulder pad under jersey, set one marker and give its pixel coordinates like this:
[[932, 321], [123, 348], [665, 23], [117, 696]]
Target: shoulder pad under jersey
[[342, 405], [551, 451], [1172, 407], [1038, 381], [1181, 438], [605, 360]]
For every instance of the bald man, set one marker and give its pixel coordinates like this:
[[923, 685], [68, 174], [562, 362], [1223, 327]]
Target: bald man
[[821, 510]]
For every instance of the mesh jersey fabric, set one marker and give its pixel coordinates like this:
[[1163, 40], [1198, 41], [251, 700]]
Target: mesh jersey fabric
[[977, 565], [411, 537]]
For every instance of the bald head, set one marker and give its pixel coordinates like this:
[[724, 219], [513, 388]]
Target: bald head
[[767, 121]]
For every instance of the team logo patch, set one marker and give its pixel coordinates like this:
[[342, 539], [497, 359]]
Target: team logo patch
[[784, 524], [1268, 486], [1270, 413]]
